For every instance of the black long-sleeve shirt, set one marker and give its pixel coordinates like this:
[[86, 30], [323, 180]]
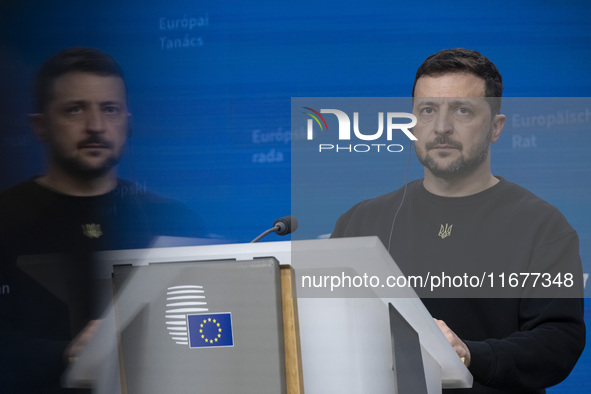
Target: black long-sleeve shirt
[[36, 322], [517, 344]]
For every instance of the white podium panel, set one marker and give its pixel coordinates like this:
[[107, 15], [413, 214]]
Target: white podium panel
[[345, 336]]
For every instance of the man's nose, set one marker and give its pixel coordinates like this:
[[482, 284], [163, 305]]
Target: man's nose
[[95, 122], [443, 123]]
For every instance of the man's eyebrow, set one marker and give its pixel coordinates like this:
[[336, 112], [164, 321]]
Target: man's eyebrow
[[464, 102], [426, 102], [111, 102], [69, 103], [81, 102], [450, 101]]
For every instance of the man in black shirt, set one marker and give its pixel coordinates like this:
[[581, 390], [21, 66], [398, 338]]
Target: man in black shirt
[[77, 207], [462, 219]]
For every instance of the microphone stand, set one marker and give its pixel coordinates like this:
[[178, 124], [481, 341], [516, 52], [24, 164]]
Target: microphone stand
[[269, 231]]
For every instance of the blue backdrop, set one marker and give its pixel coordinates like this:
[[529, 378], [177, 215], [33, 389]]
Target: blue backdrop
[[210, 85]]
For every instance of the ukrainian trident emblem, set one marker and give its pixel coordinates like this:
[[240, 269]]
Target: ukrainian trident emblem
[[445, 232], [92, 230]]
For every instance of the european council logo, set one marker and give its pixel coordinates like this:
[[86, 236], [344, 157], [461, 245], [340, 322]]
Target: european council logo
[[210, 330], [182, 301]]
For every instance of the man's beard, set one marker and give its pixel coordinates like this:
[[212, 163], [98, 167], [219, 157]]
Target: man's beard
[[80, 168], [462, 165]]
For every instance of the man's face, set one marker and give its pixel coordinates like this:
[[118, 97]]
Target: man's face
[[454, 124], [85, 124]]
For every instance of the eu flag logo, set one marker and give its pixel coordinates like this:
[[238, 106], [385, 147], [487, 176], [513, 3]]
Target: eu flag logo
[[210, 330]]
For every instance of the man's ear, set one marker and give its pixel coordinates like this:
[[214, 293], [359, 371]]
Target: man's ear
[[497, 127], [38, 124]]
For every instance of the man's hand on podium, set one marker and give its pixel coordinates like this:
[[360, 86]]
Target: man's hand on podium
[[459, 346], [75, 347]]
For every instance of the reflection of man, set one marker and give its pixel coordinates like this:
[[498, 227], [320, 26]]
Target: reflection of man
[[460, 215], [77, 207]]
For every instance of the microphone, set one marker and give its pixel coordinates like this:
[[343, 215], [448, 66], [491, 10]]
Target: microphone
[[281, 226]]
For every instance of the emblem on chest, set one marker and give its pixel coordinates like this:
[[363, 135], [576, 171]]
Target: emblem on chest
[[445, 232], [92, 230]]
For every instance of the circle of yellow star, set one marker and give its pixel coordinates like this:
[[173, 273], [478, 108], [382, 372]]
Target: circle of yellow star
[[216, 324]]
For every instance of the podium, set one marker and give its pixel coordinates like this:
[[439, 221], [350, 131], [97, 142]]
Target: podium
[[352, 339]]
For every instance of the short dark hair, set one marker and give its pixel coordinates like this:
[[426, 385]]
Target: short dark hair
[[77, 59], [465, 60]]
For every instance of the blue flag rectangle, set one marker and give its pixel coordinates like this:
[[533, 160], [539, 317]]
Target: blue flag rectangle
[[210, 330]]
